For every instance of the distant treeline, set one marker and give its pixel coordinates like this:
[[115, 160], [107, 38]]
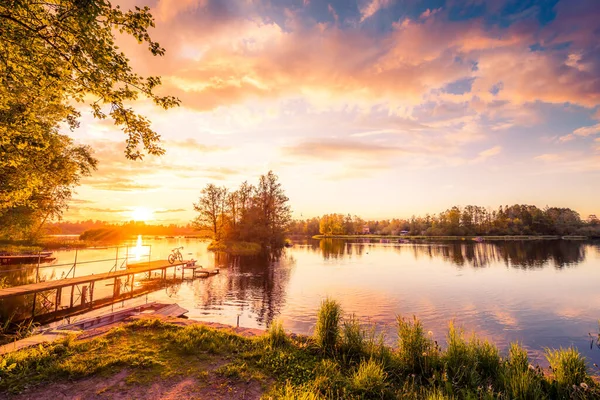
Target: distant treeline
[[458, 221], [103, 228]]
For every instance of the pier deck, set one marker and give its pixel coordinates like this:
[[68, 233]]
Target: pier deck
[[61, 283]]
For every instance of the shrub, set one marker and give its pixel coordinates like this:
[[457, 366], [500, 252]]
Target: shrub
[[327, 330]]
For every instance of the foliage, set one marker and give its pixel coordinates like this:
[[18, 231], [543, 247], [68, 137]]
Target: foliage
[[327, 330], [38, 189], [518, 219], [54, 55], [258, 214], [59, 51]]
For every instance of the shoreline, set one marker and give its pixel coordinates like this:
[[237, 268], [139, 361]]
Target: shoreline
[[340, 360], [460, 238]]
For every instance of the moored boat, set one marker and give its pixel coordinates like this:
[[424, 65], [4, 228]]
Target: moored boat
[[43, 257]]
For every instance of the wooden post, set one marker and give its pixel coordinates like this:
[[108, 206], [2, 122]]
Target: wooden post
[[58, 299], [84, 291], [91, 293], [72, 293], [33, 308], [37, 272], [132, 278], [75, 263]]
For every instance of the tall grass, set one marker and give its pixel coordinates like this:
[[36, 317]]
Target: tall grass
[[417, 352], [471, 363], [327, 330], [568, 366], [276, 336], [521, 381], [369, 379], [352, 344]]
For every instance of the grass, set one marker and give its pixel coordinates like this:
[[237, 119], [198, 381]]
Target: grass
[[341, 360], [327, 330], [235, 248]]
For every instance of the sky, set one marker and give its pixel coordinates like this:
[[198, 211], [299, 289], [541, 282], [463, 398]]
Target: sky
[[379, 108]]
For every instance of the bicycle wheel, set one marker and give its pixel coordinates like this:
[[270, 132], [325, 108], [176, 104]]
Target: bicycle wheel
[[180, 257], [171, 258]]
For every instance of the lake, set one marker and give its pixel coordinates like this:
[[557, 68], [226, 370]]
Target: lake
[[540, 293]]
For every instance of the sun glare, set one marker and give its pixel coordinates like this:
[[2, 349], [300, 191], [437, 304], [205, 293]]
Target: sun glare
[[141, 214]]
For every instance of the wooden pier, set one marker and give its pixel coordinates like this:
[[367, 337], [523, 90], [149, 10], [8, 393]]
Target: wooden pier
[[51, 304]]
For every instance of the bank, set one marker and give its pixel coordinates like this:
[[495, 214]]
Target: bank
[[150, 358], [235, 248]]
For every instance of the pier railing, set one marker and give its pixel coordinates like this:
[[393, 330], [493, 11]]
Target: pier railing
[[122, 257]]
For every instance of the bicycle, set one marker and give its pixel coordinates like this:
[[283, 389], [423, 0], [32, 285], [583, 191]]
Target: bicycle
[[175, 255]]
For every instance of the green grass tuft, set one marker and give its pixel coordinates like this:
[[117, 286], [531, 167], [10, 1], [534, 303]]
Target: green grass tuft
[[327, 330], [276, 336], [417, 352], [568, 366], [369, 380]]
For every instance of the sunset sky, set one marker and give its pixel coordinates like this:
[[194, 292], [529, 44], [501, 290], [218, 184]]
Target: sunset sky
[[380, 108]]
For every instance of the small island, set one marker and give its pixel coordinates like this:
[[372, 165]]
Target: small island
[[247, 221]]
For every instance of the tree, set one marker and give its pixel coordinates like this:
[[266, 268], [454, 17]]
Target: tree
[[211, 207], [53, 55], [44, 185], [56, 52], [273, 209]]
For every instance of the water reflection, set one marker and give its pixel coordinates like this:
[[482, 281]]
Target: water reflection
[[517, 254]]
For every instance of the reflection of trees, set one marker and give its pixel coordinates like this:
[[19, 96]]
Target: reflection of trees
[[258, 281], [517, 254]]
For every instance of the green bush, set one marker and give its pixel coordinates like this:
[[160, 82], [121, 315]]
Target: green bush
[[327, 330]]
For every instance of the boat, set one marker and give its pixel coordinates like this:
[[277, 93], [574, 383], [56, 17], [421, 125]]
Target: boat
[[478, 239], [43, 257]]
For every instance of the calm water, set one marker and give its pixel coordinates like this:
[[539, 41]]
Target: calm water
[[542, 294]]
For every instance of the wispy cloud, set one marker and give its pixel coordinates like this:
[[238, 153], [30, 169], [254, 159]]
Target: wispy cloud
[[487, 154], [370, 7]]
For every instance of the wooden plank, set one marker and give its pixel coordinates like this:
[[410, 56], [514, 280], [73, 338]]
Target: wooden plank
[[172, 310], [60, 283]]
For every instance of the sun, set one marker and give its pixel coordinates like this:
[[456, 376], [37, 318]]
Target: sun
[[141, 214]]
